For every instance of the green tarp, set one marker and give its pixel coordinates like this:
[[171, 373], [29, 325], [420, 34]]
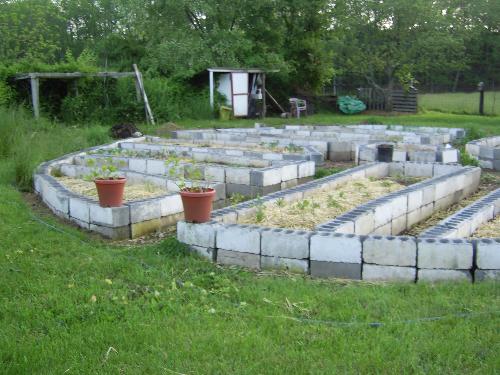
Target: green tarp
[[350, 105]]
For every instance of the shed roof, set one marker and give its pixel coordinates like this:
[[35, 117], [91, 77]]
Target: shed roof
[[241, 70]]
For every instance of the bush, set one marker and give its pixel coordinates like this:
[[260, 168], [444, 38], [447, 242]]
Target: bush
[[171, 100]]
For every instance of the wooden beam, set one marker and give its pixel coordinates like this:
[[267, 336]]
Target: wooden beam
[[35, 96], [147, 108], [275, 102], [74, 75]]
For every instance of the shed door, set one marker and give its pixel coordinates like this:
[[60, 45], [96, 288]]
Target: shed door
[[240, 94]]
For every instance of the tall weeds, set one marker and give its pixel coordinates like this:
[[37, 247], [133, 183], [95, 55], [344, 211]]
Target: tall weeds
[[25, 143]]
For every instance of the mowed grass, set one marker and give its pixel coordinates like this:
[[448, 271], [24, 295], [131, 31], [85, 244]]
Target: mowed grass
[[466, 103], [73, 303]]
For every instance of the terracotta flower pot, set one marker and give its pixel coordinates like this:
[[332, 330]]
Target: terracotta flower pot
[[110, 192], [197, 205]]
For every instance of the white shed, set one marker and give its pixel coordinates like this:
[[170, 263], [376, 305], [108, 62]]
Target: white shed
[[244, 90]]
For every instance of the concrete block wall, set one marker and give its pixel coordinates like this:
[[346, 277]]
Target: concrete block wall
[[465, 222], [348, 256], [395, 212], [486, 151], [409, 152]]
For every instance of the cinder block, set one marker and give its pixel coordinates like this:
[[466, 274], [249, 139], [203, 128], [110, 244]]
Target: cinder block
[[285, 243], [237, 258], [265, 177], [306, 169], [289, 184], [367, 153], [449, 156], [442, 169], [148, 209], [488, 254], [388, 273], [340, 248], [364, 223], [79, 209], [399, 205], [346, 227], [383, 214], [115, 233], [55, 196], [390, 251], [292, 265], [444, 254], [423, 156], [137, 165], [289, 172], [197, 234], [171, 204], [415, 199], [145, 227], [109, 216], [155, 166], [444, 202], [238, 176], [377, 170], [239, 238], [398, 225], [337, 270], [214, 173], [413, 217], [418, 169], [396, 169], [399, 155], [433, 275]]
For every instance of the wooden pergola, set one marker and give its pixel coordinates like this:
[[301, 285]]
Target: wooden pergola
[[35, 85]]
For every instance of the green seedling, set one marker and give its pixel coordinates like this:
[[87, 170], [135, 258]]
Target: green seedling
[[332, 202], [237, 198], [280, 203]]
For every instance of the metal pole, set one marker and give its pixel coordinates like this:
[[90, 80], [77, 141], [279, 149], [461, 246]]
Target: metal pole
[[211, 78]]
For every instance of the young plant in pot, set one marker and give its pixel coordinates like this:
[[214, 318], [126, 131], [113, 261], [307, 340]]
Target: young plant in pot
[[110, 184], [196, 195]]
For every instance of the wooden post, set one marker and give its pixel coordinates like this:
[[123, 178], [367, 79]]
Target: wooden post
[[138, 90], [147, 108], [480, 87], [35, 95], [211, 80], [263, 95]]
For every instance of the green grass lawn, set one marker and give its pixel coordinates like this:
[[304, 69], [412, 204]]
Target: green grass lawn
[[74, 304], [460, 102]]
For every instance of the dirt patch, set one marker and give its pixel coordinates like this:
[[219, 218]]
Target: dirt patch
[[489, 229], [132, 192], [323, 205]]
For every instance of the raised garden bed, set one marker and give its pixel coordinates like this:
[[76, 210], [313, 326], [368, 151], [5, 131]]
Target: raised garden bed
[[349, 246], [321, 206]]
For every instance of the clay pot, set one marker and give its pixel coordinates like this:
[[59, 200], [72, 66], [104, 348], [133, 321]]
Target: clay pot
[[197, 205], [110, 192]]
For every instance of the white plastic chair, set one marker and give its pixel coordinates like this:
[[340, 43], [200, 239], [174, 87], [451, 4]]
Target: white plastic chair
[[297, 106]]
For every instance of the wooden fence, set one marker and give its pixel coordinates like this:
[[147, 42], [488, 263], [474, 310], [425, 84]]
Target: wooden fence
[[394, 101]]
